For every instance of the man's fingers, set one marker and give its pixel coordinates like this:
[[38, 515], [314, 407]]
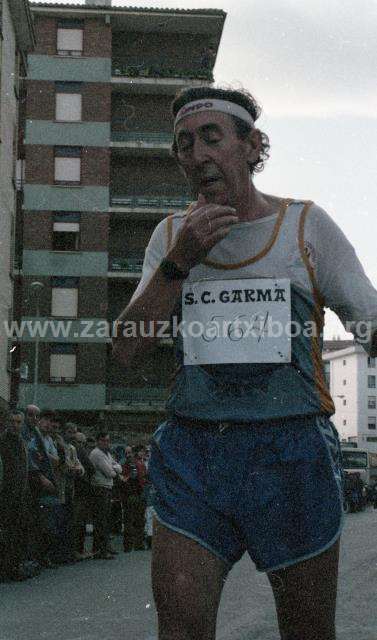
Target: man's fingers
[[224, 221], [216, 236]]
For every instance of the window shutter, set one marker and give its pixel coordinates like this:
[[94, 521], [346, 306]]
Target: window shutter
[[64, 302], [70, 41], [72, 227], [63, 367], [67, 169], [68, 107]]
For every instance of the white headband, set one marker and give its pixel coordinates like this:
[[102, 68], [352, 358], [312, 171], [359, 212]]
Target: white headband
[[207, 104]]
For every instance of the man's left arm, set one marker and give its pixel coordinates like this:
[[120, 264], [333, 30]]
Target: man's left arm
[[342, 281]]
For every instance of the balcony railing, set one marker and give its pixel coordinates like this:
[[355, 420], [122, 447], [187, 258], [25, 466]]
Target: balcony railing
[[137, 395], [133, 265], [142, 137], [158, 202], [124, 68]]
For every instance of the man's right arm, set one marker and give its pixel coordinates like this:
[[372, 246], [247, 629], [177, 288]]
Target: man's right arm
[[138, 324]]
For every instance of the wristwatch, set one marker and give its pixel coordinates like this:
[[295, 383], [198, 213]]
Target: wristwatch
[[171, 271]]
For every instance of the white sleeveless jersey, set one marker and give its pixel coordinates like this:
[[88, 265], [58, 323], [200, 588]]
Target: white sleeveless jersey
[[303, 244]]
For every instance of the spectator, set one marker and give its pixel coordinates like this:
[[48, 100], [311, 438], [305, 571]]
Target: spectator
[[13, 502], [106, 469], [133, 501], [73, 470], [43, 463], [83, 496]]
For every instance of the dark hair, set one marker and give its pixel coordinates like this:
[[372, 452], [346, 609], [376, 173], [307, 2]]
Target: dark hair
[[102, 434], [241, 97], [137, 448], [70, 425], [50, 414]]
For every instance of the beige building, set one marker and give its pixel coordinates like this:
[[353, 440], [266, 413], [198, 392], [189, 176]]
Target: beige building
[[352, 377], [16, 39]]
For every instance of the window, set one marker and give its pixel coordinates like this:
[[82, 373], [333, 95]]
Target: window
[[372, 422], [371, 382], [344, 423], [344, 402], [66, 232], [344, 363], [70, 38], [64, 302], [344, 382], [64, 297], [67, 165], [371, 402], [68, 107], [371, 363], [63, 363]]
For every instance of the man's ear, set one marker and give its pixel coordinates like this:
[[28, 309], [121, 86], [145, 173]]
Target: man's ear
[[253, 143]]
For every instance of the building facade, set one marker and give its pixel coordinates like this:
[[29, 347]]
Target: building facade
[[16, 39], [352, 376], [99, 177]]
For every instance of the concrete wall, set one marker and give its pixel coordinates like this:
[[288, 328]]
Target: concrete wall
[[8, 115]]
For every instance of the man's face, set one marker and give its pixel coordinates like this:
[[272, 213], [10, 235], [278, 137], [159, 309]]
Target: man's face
[[104, 443], [32, 416], [55, 427], [45, 426], [213, 157], [16, 424], [128, 453], [70, 434]]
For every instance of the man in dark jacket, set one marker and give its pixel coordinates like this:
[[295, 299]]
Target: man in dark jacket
[[13, 501], [135, 475]]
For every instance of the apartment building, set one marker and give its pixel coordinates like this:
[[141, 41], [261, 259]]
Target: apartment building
[[352, 377], [16, 39], [99, 177]]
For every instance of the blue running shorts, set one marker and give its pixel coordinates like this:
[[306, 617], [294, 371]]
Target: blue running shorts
[[273, 490]]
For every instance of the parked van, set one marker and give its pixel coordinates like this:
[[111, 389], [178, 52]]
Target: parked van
[[360, 461]]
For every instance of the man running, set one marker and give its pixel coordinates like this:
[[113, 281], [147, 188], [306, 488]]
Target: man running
[[248, 459]]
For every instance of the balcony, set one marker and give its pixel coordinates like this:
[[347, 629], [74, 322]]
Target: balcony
[[125, 268], [153, 204], [161, 78], [138, 398], [137, 142]]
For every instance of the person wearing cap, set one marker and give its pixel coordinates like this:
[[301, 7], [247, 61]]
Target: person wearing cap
[[248, 458]]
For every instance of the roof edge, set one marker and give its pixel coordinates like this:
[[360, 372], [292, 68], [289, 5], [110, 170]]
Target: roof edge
[[86, 8]]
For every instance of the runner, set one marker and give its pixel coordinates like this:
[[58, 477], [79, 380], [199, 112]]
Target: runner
[[248, 459]]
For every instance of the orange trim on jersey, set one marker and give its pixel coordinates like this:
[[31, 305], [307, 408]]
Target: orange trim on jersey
[[327, 405], [169, 225], [227, 267]]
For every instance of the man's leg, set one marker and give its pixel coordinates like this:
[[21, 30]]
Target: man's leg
[[139, 523], [128, 524], [187, 583], [305, 597]]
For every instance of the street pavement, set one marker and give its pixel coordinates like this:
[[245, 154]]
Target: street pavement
[[112, 600]]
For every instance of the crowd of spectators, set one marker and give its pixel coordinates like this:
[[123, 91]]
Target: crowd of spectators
[[63, 494]]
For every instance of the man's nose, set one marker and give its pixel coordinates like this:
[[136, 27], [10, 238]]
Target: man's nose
[[199, 151]]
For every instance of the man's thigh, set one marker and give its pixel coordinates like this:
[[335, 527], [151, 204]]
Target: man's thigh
[[305, 597]]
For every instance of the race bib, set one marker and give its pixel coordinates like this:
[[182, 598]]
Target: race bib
[[236, 321]]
